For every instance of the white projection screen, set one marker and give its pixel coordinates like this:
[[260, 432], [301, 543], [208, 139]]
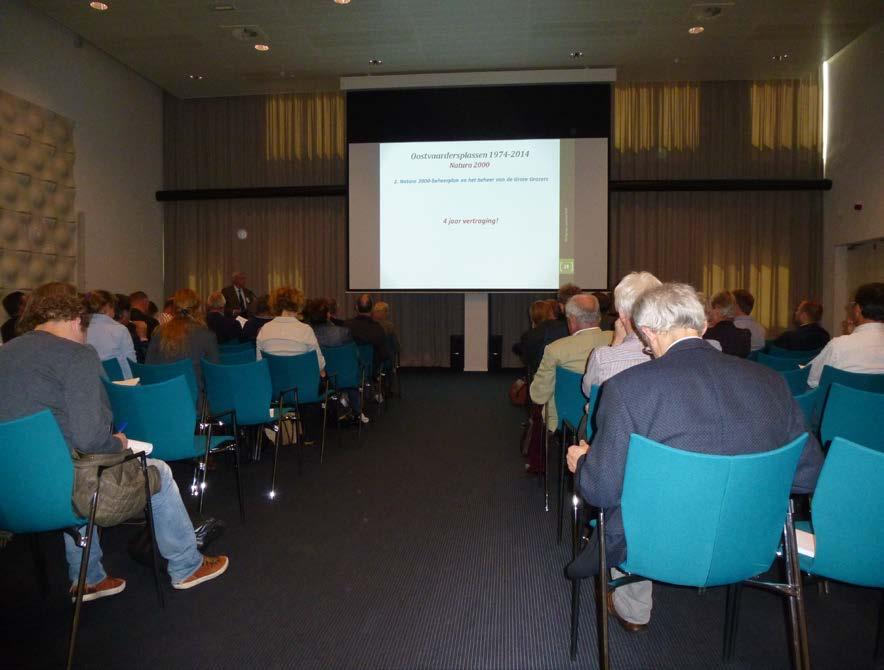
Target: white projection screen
[[485, 215]]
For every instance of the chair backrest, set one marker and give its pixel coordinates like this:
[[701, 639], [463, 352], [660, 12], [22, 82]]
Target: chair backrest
[[112, 369], [36, 476], [848, 517], [343, 362], [704, 520], [300, 370], [796, 379], [856, 380], [854, 415], [774, 350], [570, 401], [366, 358], [778, 363], [231, 347], [806, 401], [153, 374], [161, 413], [244, 388], [236, 357]]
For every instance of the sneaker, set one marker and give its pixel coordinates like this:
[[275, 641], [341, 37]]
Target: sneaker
[[109, 586], [363, 418], [344, 402], [213, 566]]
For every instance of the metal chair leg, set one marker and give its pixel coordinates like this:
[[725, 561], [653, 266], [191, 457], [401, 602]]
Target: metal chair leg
[[204, 467], [148, 517], [324, 421], [275, 459], [242, 507], [731, 619], [545, 468], [561, 507], [602, 595], [797, 621], [81, 581], [575, 615]]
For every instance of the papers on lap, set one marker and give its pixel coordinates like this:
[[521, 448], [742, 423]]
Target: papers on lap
[[806, 543], [128, 382], [137, 446]]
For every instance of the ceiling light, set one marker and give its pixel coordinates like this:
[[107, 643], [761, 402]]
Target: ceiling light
[[222, 7], [342, 2], [575, 54], [696, 30], [100, 6], [196, 77], [262, 47], [375, 61], [780, 57]]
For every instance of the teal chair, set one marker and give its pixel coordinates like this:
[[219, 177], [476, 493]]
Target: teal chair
[[237, 357], [777, 363], [847, 520], [232, 347], [853, 415], [112, 369], [366, 360], [703, 520], [774, 350], [246, 391], [36, 480], [164, 415], [796, 379], [806, 401], [856, 380], [296, 382], [345, 371], [155, 373]]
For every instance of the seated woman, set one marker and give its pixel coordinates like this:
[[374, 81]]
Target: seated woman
[[109, 338], [285, 334], [530, 346], [259, 315], [226, 328], [184, 336]]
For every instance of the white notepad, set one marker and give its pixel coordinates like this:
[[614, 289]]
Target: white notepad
[[806, 543], [128, 382], [138, 447]]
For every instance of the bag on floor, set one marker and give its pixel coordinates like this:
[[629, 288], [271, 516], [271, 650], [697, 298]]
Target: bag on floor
[[532, 440], [519, 392]]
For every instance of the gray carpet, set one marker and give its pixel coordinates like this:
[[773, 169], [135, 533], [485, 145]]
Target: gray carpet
[[422, 546]]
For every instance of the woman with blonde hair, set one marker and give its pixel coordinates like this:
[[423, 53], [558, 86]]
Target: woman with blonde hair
[[185, 335], [285, 335]]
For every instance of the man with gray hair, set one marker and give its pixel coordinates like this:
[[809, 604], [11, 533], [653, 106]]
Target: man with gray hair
[[690, 397], [626, 349], [734, 341], [582, 316]]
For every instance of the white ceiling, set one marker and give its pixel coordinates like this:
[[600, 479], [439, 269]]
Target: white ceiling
[[314, 42]]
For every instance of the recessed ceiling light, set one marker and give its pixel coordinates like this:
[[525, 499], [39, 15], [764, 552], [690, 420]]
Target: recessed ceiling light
[[375, 61], [342, 2], [696, 30], [100, 6], [780, 57], [575, 54], [222, 7], [262, 47], [196, 77]]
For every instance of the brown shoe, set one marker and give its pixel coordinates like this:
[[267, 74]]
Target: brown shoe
[[109, 586], [213, 566], [628, 626]]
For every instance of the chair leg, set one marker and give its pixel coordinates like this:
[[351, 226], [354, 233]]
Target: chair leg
[[602, 596], [561, 492], [81, 581], [242, 507], [879, 638], [324, 421], [545, 469], [731, 619], [148, 518], [797, 621], [275, 459], [204, 467], [575, 526], [575, 615]]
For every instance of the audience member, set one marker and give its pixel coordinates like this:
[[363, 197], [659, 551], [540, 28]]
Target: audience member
[[734, 341], [366, 330], [226, 328], [137, 329], [863, 349], [333, 312], [808, 334], [109, 338], [607, 319], [626, 348], [258, 316], [139, 306], [690, 397], [185, 336], [582, 315], [530, 346], [744, 302], [285, 335], [14, 304], [168, 311], [238, 297], [49, 367], [380, 312], [557, 327]]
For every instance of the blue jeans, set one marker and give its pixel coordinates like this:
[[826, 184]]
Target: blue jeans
[[174, 532]]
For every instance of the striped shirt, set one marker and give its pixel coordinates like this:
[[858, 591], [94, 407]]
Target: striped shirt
[[605, 362]]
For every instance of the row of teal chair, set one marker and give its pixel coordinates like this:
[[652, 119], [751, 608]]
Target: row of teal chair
[[781, 364], [813, 402]]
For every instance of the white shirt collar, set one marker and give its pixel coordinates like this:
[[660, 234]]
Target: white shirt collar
[[583, 330]]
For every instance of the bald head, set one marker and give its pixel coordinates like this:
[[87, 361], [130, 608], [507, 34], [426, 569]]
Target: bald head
[[364, 304], [582, 311]]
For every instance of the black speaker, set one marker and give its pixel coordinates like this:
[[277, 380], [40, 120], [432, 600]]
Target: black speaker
[[495, 350], [456, 352]]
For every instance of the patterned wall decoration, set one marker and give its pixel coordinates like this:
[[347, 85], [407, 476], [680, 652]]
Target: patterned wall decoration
[[38, 226]]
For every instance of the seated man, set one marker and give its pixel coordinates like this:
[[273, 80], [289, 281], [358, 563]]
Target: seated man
[[139, 308], [734, 341], [50, 367], [808, 334], [744, 302], [689, 397], [530, 346], [582, 314], [13, 303], [226, 328], [366, 330], [863, 349], [626, 349], [557, 327]]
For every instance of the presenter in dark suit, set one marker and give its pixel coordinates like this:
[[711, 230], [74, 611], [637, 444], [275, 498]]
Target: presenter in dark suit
[[689, 397], [238, 297]]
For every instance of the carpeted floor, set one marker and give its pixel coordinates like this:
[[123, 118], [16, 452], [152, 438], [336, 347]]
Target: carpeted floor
[[422, 546]]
